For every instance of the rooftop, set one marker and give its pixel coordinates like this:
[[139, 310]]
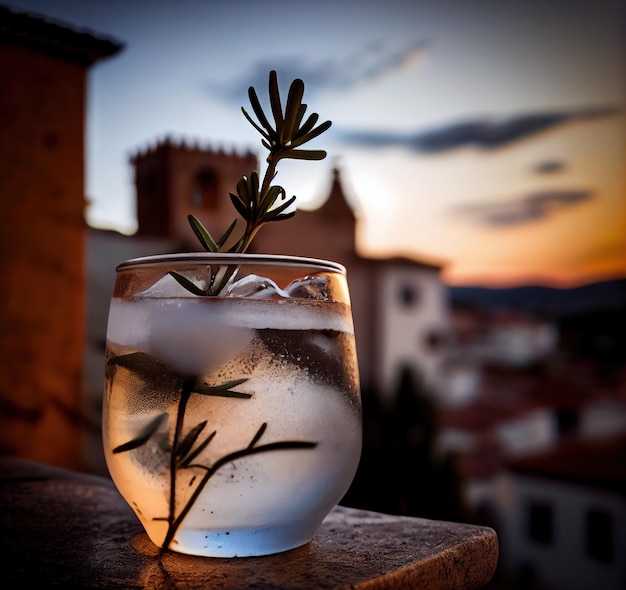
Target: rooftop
[[39, 33], [600, 463]]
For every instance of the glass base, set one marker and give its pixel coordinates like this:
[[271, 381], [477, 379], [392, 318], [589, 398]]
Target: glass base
[[241, 543]]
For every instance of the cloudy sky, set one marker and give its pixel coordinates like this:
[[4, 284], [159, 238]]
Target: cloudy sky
[[487, 135]]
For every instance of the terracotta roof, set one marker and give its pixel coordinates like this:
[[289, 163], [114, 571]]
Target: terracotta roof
[[405, 261], [600, 463], [480, 417], [39, 33]]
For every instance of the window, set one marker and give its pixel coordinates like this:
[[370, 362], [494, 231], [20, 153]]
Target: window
[[408, 295], [204, 192], [152, 185], [435, 340], [600, 536], [567, 421], [540, 525]]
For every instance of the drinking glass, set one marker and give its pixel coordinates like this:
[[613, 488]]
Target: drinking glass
[[231, 422]]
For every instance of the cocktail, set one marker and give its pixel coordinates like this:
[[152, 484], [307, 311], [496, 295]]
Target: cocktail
[[232, 413], [232, 424]]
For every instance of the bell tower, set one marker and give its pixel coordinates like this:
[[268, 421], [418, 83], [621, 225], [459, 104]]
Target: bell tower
[[173, 180], [326, 232]]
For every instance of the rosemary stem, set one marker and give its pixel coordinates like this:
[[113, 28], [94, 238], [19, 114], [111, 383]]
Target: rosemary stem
[[180, 417], [225, 460]]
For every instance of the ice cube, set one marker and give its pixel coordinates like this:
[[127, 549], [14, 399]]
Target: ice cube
[[255, 286], [310, 287], [193, 337], [166, 286]]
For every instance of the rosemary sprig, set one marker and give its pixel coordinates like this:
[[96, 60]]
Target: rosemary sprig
[[261, 202], [186, 447]]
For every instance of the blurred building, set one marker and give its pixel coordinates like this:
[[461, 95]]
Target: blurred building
[[538, 435], [43, 74], [563, 516]]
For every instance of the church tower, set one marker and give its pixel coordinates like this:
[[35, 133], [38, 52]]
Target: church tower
[[327, 232], [173, 180]]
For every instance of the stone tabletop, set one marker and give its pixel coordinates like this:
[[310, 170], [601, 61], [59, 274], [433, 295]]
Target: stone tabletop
[[72, 530]]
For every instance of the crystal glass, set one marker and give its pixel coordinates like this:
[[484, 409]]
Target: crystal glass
[[231, 423]]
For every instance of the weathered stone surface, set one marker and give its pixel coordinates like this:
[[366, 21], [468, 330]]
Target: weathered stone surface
[[71, 530]]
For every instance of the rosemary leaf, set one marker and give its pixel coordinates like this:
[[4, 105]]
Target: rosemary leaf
[[258, 435], [185, 445], [270, 135], [303, 154], [239, 205], [292, 109], [144, 436], [226, 235], [271, 215], [203, 445], [275, 105], [223, 390], [203, 235]]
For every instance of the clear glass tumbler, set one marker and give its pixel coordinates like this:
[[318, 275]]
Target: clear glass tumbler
[[231, 422]]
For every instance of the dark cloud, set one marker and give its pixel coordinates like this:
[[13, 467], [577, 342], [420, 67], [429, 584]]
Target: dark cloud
[[236, 91], [527, 209], [374, 62], [549, 167], [481, 133]]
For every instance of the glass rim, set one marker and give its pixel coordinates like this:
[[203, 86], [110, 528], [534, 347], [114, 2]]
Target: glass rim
[[234, 258]]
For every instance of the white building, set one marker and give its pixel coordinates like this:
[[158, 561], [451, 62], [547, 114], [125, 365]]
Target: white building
[[563, 517], [412, 324]]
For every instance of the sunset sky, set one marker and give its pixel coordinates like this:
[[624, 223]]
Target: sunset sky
[[488, 135]]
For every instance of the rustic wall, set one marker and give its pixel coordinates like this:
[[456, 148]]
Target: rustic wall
[[41, 244], [42, 232]]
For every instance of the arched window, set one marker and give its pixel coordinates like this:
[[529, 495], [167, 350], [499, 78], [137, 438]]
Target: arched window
[[204, 192]]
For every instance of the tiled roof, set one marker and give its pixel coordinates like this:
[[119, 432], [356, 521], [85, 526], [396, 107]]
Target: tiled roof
[[597, 462]]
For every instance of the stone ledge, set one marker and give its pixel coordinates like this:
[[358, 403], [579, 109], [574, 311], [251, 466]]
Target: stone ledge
[[74, 530]]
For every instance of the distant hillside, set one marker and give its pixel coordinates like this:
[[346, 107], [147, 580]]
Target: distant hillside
[[602, 296]]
